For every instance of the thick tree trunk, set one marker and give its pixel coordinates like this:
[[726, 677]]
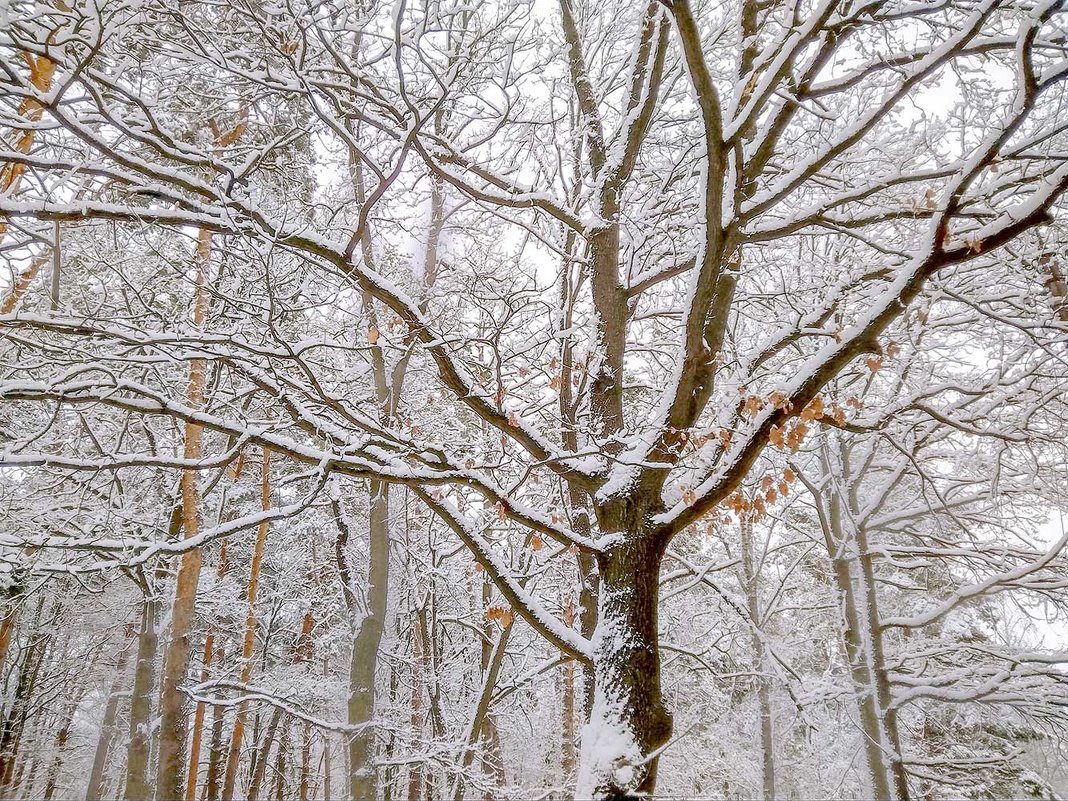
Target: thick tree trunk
[[362, 779], [137, 752], [171, 770], [629, 722]]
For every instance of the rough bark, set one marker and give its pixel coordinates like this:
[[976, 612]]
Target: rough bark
[[629, 722]]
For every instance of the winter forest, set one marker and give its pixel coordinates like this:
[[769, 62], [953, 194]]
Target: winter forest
[[431, 400]]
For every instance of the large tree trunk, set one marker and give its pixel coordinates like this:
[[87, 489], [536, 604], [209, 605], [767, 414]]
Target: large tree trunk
[[362, 779], [629, 722], [171, 770]]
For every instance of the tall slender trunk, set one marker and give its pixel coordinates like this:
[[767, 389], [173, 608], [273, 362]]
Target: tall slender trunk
[[567, 707], [260, 770], [170, 772], [878, 661], [305, 762], [327, 768], [62, 735], [278, 792], [629, 722], [751, 585], [419, 649], [15, 720], [862, 638], [201, 709], [198, 724], [482, 724], [218, 720], [94, 790], [137, 752], [237, 736], [362, 779]]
